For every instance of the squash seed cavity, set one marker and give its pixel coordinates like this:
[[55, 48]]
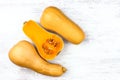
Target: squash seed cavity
[[49, 46]]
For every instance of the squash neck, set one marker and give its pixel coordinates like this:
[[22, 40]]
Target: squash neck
[[34, 31]]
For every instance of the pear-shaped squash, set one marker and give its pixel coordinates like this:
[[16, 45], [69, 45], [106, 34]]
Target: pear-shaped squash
[[47, 44], [55, 20], [24, 54]]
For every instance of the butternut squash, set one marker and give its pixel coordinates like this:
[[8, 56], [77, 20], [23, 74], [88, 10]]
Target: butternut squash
[[24, 54], [47, 44], [55, 20]]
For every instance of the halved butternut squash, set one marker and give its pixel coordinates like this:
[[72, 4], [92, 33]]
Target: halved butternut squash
[[47, 43]]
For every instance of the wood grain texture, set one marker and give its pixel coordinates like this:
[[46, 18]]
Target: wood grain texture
[[97, 58]]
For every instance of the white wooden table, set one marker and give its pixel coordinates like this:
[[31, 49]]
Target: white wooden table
[[97, 58]]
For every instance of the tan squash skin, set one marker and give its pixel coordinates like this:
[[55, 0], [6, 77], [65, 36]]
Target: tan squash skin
[[55, 20], [48, 44], [25, 55]]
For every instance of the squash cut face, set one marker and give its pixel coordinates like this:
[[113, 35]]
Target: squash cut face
[[51, 47], [47, 43]]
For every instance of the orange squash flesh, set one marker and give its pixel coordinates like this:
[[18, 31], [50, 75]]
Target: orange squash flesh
[[47, 44]]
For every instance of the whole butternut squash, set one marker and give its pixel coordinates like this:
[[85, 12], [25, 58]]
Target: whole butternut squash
[[55, 20], [24, 54], [47, 44]]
